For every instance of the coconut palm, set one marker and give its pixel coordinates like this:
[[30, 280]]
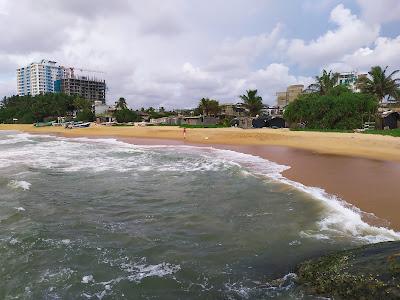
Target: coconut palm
[[209, 107], [379, 84], [324, 83], [121, 104], [252, 102]]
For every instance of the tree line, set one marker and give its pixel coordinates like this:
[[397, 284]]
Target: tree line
[[327, 105], [28, 109]]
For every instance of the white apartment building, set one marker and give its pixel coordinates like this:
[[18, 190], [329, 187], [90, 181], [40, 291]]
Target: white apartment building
[[38, 78]]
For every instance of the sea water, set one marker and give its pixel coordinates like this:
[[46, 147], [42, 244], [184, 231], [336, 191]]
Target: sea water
[[103, 219]]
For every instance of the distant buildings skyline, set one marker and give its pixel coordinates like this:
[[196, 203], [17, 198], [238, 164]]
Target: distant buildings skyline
[[47, 77]]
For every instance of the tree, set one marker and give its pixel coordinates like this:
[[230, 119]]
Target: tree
[[252, 102], [85, 115], [121, 103], [379, 84], [339, 109], [324, 83], [209, 107], [126, 115]]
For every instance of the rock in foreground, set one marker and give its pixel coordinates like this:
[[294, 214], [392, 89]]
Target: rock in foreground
[[369, 272]]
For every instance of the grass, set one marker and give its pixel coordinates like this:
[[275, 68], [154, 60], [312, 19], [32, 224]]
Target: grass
[[321, 130], [392, 132]]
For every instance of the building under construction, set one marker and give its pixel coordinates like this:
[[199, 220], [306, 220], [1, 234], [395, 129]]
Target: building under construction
[[91, 89]]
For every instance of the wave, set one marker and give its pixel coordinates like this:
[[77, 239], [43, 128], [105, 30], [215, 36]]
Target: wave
[[20, 184], [70, 155]]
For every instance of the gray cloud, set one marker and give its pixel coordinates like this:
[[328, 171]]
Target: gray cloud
[[172, 53]]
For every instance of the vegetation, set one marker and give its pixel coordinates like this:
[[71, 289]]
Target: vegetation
[[393, 132], [209, 107], [28, 109], [339, 109], [324, 83], [369, 272], [252, 102], [121, 103], [380, 85], [85, 115], [126, 115]]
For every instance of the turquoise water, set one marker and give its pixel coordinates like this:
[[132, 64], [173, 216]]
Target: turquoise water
[[102, 219]]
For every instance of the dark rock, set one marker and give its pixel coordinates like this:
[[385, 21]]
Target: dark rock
[[369, 272]]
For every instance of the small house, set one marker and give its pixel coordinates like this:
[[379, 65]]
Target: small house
[[388, 119]]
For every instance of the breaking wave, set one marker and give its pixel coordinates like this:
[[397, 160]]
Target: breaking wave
[[72, 155]]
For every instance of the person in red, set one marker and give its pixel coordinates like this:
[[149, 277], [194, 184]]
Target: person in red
[[184, 133]]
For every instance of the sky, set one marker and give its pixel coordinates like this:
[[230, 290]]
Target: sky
[[172, 53]]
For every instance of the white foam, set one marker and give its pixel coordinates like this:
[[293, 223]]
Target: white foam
[[20, 209], [19, 184], [87, 279], [70, 155]]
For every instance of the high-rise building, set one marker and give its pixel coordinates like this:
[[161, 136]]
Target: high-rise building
[[47, 77], [38, 78], [91, 89]]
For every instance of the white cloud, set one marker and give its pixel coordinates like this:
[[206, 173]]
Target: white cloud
[[381, 11], [385, 52], [172, 53], [352, 33]]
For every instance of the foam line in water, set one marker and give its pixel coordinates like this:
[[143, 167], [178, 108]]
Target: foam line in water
[[341, 219]]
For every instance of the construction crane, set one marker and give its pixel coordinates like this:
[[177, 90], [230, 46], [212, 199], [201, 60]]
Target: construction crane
[[84, 70]]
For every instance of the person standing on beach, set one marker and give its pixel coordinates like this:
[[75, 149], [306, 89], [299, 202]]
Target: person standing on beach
[[184, 133]]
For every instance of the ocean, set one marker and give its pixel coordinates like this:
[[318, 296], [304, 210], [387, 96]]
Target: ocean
[[103, 219]]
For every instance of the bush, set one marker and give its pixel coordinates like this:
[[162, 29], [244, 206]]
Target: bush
[[340, 109], [85, 115], [126, 115]]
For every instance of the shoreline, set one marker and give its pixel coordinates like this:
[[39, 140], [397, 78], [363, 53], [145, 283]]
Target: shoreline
[[368, 184], [378, 147]]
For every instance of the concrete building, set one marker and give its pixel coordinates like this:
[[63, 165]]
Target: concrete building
[[350, 79], [91, 89], [291, 94], [233, 110], [48, 77], [38, 78]]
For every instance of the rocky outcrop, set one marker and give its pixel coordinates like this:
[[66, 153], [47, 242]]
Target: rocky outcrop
[[369, 272]]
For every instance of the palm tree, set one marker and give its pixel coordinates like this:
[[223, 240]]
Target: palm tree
[[121, 104], [252, 102], [379, 84], [204, 106], [324, 83]]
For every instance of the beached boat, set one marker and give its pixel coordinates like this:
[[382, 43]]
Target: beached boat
[[77, 125], [43, 124]]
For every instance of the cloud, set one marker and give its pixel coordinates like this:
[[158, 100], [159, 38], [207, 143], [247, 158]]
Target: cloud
[[351, 33], [172, 53], [381, 11], [384, 52]]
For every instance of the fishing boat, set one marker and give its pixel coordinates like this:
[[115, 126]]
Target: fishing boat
[[43, 124], [72, 125]]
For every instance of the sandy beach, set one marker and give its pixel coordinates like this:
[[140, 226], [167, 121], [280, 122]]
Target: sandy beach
[[361, 169], [349, 144]]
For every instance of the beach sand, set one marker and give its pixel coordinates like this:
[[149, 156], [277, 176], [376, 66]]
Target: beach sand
[[362, 169]]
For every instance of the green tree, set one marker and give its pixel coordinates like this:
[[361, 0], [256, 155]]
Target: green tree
[[121, 103], [339, 109], [252, 102], [209, 107], [379, 84], [325, 83], [85, 115], [126, 115]]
